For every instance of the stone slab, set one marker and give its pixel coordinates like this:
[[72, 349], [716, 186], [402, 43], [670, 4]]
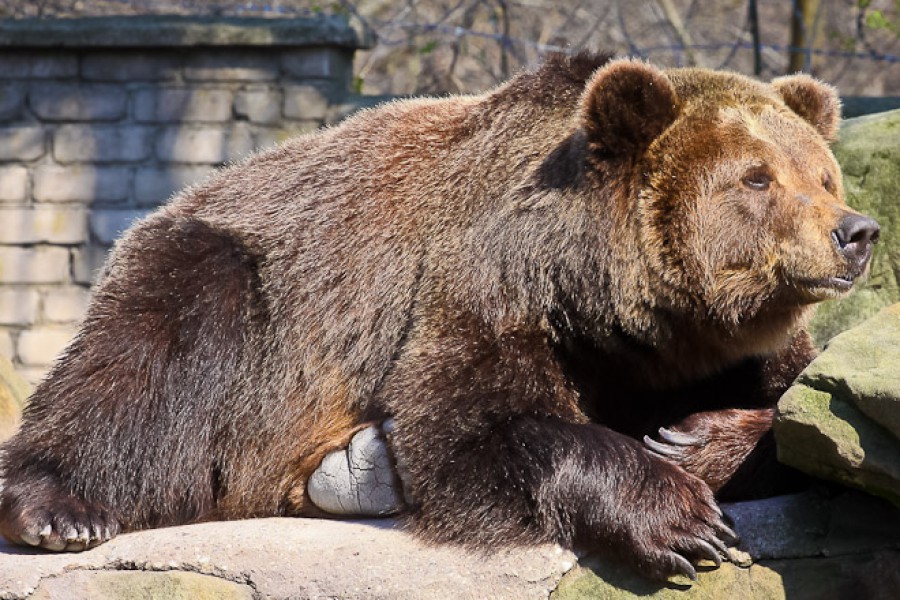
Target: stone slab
[[160, 31], [301, 558]]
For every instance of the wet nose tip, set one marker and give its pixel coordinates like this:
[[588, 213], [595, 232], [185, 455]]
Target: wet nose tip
[[857, 229]]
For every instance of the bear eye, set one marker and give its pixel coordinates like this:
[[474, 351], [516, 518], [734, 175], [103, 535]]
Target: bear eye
[[828, 183], [757, 179]]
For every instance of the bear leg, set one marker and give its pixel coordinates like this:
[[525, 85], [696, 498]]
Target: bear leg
[[497, 452], [129, 428]]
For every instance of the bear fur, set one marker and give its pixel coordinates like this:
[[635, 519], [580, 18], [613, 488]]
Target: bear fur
[[528, 281]]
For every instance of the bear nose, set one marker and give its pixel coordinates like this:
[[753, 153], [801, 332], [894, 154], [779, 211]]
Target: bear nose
[[855, 235]]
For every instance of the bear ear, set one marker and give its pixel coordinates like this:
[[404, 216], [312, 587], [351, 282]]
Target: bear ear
[[818, 103], [625, 106]]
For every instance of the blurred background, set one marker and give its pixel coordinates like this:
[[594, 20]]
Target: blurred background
[[439, 46]]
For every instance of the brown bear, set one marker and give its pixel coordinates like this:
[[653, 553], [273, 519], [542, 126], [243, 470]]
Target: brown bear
[[528, 281]]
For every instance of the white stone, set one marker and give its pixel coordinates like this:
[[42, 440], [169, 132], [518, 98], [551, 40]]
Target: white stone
[[107, 225], [359, 480], [154, 185], [41, 224], [18, 306], [304, 102], [13, 183], [40, 346], [87, 263], [193, 145], [7, 348], [259, 105], [82, 143], [40, 264], [84, 183], [66, 304], [22, 143], [33, 375], [77, 101], [176, 105]]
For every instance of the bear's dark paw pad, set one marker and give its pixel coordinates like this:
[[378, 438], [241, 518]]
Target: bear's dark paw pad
[[62, 525]]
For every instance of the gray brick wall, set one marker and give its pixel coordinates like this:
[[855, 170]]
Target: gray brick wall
[[101, 121]]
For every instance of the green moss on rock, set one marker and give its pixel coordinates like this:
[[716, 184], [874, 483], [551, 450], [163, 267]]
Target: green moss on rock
[[145, 585], [841, 419]]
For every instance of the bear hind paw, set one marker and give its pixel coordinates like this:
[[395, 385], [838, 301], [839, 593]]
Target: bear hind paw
[[61, 523]]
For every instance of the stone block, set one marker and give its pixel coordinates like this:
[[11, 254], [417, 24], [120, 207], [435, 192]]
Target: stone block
[[84, 183], [33, 375], [240, 143], [176, 105], [153, 185], [77, 102], [7, 347], [39, 264], [41, 345], [12, 100], [231, 65], [107, 225], [105, 143], [43, 224], [18, 306], [206, 145], [13, 184], [65, 304], [38, 65], [87, 263], [124, 585], [22, 142], [259, 105], [130, 65], [318, 63], [270, 136], [304, 102]]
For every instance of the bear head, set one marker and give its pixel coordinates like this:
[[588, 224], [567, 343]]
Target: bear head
[[736, 198]]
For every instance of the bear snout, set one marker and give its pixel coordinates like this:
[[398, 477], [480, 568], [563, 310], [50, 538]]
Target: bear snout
[[854, 237]]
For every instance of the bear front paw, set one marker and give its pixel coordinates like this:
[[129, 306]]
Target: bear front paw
[[712, 445], [672, 527], [58, 523]]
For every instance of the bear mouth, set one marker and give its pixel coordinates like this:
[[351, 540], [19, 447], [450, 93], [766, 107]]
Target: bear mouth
[[828, 287]]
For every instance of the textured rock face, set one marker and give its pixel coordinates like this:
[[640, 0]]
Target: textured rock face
[[280, 558], [869, 154], [809, 546], [841, 419]]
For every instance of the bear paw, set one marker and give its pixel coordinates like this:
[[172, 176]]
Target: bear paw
[[60, 523], [679, 525], [712, 445]]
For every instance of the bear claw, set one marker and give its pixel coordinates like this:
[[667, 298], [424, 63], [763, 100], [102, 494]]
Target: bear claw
[[665, 450], [706, 550], [678, 438], [684, 567]]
